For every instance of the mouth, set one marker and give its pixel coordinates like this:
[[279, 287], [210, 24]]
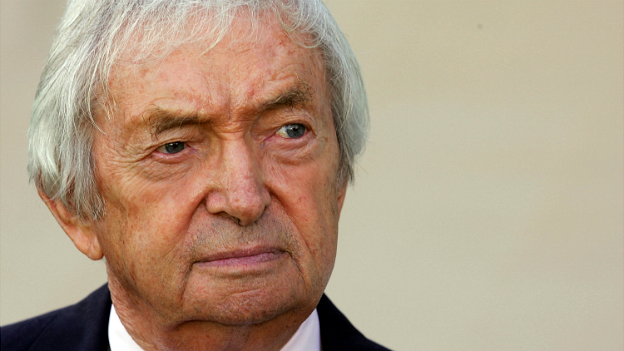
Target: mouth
[[242, 258]]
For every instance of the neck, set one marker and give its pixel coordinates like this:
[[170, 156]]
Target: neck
[[153, 332]]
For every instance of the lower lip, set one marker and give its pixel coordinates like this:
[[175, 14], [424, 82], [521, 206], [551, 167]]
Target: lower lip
[[245, 261]]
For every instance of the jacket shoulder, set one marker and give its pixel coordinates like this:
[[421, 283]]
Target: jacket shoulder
[[83, 326], [21, 335]]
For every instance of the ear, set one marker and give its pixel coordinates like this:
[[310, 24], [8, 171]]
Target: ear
[[80, 231], [342, 191]]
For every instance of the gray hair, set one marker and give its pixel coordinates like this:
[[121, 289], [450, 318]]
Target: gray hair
[[93, 34]]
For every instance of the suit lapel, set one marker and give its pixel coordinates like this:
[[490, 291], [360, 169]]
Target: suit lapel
[[338, 334]]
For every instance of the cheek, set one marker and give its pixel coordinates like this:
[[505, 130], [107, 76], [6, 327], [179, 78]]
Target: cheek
[[146, 222], [309, 197]]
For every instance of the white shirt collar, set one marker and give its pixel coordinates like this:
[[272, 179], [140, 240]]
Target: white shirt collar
[[118, 337], [307, 337]]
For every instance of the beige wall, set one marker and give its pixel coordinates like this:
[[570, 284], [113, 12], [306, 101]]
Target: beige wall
[[488, 210]]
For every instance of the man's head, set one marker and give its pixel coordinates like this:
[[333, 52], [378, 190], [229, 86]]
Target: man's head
[[209, 149], [93, 35]]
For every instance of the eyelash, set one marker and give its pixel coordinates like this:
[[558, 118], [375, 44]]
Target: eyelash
[[175, 145]]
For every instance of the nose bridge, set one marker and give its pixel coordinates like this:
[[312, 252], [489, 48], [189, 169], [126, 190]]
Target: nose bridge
[[241, 169], [242, 194]]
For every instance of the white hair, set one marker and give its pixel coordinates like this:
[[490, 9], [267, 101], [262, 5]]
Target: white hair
[[94, 33]]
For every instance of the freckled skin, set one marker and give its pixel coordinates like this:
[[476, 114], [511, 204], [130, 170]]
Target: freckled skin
[[236, 185]]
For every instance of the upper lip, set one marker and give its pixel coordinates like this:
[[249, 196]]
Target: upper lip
[[240, 252]]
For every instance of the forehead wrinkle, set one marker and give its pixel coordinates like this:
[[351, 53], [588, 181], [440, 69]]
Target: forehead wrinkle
[[215, 97]]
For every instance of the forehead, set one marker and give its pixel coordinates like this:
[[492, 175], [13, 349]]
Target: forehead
[[246, 65]]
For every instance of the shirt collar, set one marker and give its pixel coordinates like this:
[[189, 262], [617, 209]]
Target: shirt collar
[[307, 337]]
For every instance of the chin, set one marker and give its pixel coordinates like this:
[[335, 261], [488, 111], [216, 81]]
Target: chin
[[235, 297], [255, 306]]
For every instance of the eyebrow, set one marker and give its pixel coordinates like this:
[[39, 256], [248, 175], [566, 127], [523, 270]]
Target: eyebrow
[[299, 95], [161, 120]]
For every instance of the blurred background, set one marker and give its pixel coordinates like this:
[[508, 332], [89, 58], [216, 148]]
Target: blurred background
[[488, 208]]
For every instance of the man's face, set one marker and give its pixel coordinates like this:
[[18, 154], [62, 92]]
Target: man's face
[[219, 175]]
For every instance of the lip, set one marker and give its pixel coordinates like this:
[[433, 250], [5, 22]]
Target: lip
[[242, 258]]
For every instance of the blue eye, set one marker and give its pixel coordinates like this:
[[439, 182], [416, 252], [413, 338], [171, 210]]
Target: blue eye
[[172, 148], [292, 131]]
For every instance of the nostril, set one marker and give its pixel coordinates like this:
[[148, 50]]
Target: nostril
[[231, 217]]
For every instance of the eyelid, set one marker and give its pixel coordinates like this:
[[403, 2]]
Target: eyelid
[[185, 134], [283, 133]]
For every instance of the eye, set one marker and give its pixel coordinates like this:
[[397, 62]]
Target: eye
[[172, 148], [292, 131]]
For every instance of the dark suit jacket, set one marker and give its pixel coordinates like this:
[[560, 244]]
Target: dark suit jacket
[[84, 326]]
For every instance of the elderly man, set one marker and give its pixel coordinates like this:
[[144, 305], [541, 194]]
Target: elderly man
[[204, 149]]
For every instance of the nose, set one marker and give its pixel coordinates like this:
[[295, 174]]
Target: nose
[[240, 192]]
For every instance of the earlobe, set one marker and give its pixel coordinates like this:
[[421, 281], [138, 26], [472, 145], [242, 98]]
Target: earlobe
[[342, 191], [80, 231]]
